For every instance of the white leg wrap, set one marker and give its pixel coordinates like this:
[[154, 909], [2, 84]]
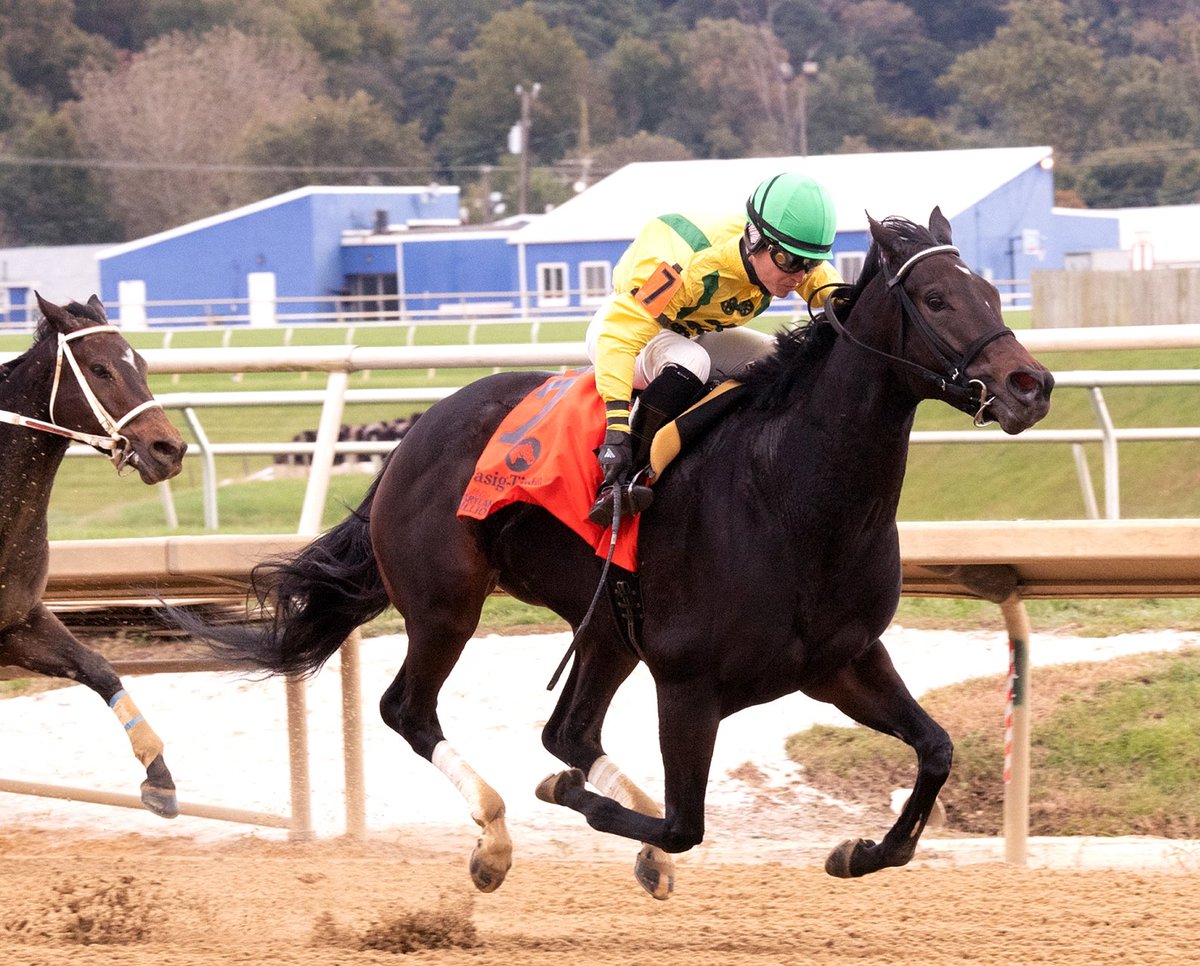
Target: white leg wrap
[[608, 779], [485, 804]]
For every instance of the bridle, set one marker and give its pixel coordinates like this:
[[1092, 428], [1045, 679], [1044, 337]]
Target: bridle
[[968, 395], [116, 445]]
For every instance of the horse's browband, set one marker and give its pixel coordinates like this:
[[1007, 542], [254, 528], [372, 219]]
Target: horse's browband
[[925, 252]]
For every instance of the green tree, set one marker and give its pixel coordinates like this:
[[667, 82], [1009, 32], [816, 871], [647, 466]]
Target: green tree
[[131, 24], [960, 24], [905, 61], [1036, 81], [640, 147], [327, 134], [40, 46], [50, 201], [516, 47], [719, 112], [843, 112], [639, 71], [1149, 100]]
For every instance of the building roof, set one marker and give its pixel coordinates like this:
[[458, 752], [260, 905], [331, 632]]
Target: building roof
[[908, 183], [273, 202]]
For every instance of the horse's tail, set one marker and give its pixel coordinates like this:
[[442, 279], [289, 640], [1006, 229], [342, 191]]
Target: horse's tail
[[311, 601]]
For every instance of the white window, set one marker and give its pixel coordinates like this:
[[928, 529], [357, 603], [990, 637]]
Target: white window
[[850, 265], [595, 282], [552, 283]]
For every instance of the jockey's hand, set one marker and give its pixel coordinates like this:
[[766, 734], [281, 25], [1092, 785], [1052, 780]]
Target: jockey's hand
[[615, 456]]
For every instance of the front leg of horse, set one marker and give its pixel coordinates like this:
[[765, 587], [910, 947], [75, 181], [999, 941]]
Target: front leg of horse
[[158, 790], [870, 691], [492, 857]]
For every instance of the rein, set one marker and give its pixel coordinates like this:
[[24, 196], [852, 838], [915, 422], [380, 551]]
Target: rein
[[967, 395], [114, 443]]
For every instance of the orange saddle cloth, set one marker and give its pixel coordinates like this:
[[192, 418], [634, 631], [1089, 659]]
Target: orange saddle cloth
[[544, 452]]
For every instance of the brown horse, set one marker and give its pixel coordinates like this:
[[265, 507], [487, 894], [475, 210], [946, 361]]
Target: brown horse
[[79, 381], [769, 561]]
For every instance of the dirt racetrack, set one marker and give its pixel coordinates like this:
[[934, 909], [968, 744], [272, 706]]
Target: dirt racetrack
[[83, 885], [140, 900]]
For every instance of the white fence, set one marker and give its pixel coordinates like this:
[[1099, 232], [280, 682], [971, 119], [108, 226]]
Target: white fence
[[340, 361]]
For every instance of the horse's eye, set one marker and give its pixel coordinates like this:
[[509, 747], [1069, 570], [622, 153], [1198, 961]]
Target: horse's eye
[[935, 301], [101, 372]]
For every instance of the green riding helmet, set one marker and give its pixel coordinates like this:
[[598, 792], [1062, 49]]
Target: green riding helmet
[[796, 213]]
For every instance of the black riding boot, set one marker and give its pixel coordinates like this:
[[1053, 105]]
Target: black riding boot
[[673, 391]]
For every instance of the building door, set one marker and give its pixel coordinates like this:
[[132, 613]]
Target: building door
[[260, 287]]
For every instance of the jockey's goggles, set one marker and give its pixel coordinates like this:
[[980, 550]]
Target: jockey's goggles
[[790, 262]]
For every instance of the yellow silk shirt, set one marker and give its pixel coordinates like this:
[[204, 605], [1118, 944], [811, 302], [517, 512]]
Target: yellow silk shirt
[[686, 274]]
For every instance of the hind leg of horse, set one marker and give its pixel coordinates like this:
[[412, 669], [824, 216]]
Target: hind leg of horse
[[409, 707], [870, 691], [43, 645], [573, 736]]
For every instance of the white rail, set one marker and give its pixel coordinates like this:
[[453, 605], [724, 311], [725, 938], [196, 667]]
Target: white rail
[[340, 361]]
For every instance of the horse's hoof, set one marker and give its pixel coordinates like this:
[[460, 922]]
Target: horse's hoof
[[552, 788], [160, 801], [488, 875], [840, 862], [655, 871]]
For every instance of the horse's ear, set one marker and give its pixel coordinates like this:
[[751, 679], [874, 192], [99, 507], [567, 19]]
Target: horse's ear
[[939, 226], [56, 315], [885, 237], [95, 303]]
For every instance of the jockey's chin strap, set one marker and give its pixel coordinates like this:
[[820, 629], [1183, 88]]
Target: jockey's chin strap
[[965, 394], [114, 444]]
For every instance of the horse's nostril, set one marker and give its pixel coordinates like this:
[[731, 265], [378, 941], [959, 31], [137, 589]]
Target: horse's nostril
[[168, 450], [1024, 383]]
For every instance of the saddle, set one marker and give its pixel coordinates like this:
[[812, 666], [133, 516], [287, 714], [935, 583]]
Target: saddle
[[543, 453]]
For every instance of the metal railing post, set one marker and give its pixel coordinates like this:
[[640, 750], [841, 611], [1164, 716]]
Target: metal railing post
[[208, 468], [1112, 468], [313, 510]]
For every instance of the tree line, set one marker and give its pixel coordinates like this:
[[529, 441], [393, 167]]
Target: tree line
[[119, 118]]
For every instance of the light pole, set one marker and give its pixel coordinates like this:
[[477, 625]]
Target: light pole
[[808, 69], [527, 97]]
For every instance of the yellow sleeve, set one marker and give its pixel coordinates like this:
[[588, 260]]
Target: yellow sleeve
[[813, 289], [624, 332]]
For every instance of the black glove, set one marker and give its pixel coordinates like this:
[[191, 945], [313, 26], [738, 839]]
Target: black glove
[[615, 456]]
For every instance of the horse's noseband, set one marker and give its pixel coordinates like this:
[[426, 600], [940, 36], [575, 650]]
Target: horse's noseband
[[116, 445], [965, 394]]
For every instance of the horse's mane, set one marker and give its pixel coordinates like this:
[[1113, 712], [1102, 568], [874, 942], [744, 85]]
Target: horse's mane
[[771, 379], [45, 331]]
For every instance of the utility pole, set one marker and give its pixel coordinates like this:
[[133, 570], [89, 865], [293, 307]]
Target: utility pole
[[527, 97]]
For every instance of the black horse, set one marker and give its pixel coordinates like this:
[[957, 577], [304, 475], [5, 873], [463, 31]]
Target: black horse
[[769, 561], [79, 381]]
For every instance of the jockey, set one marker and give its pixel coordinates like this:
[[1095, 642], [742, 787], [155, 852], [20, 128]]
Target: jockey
[[681, 292]]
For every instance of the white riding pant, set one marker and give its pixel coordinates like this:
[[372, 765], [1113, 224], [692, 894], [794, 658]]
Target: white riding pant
[[718, 355]]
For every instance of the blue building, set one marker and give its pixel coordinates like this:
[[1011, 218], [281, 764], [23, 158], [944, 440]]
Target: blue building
[[360, 252], [286, 249]]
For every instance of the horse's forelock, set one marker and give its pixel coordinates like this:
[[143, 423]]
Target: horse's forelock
[[80, 310], [84, 314], [912, 238]]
